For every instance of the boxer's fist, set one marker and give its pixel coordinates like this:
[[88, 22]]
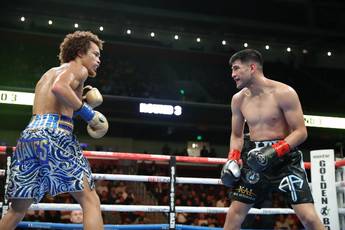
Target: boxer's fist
[[231, 173], [97, 123], [98, 126], [260, 159], [92, 96]]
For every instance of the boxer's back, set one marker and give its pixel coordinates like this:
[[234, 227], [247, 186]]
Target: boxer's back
[[45, 100]]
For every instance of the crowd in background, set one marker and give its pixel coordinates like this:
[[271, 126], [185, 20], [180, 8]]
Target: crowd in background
[[123, 193]]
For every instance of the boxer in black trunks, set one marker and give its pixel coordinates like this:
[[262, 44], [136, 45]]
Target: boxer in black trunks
[[286, 171], [271, 160]]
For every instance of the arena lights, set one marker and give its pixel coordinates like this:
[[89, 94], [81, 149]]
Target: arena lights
[[50, 21], [160, 109]]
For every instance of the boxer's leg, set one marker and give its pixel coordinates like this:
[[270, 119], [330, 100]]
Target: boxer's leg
[[15, 213], [90, 203]]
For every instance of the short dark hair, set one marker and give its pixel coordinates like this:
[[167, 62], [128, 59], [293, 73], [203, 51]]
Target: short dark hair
[[247, 55], [79, 41]]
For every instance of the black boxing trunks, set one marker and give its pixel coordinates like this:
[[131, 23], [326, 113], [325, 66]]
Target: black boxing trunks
[[287, 176]]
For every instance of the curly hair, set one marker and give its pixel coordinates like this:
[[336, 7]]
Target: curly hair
[[79, 41]]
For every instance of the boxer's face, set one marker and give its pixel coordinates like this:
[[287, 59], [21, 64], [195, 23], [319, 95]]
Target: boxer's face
[[241, 73], [91, 60]]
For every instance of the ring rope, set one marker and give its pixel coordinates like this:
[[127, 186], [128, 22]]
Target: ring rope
[[152, 208], [161, 208], [180, 180], [155, 208], [163, 179], [153, 157], [340, 185], [140, 156], [49, 225]]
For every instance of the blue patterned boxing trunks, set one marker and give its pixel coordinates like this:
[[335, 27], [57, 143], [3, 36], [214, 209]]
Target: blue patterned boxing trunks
[[47, 159]]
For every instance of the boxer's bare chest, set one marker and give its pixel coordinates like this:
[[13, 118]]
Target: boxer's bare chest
[[261, 109]]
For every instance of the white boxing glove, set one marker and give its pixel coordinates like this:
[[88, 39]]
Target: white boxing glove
[[231, 173], [92, 96], [98, 126]]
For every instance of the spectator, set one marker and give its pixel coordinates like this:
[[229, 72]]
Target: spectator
[[76, 216], [281, 223], [204, 151]]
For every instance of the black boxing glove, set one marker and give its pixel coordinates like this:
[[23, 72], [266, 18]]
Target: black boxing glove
[[231, 171], [259, 159]]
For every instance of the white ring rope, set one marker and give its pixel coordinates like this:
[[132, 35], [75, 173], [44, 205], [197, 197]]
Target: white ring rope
[[160, 208], [151, 208], [180, 180], [163, 179], [340, 184]]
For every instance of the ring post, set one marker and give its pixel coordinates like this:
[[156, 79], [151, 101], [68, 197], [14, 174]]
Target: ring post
[[9, 152], [172, 211]]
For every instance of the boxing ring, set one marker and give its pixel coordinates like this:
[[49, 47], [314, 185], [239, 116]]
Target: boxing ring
[[172, 179]]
